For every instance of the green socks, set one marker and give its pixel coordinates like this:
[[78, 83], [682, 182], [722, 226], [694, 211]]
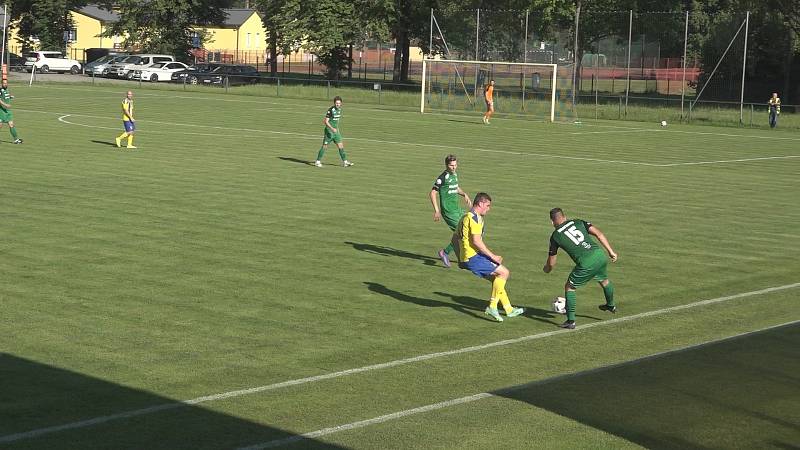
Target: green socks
[[448, 249], [13, 132], [343, 154], [572, 298], [608, 291], [321, 153]]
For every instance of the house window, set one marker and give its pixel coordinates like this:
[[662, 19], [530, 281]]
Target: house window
[[258, 40], [247, 45]]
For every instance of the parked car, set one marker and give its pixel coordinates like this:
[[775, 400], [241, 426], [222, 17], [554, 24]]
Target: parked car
[[159, 71], [15, 62], [183, 76], [45, 61], [99, 67], [222, 74], [126, 67]]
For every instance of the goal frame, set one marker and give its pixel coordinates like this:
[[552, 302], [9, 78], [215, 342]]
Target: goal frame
[[553, 87]]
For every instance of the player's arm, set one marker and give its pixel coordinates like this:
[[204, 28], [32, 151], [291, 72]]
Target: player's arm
[[437, 214], [4, 104], [477, 242], [552, 255], [466, 197], [594, 231], [327, 123]]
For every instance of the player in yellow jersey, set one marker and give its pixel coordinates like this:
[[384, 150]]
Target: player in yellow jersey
[[488, 96], [128, 122], [476, 257]]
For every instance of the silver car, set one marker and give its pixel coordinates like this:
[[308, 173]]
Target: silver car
[[99, 67]]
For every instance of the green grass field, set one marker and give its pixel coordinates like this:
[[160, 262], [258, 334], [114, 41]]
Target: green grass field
[[212, 289]]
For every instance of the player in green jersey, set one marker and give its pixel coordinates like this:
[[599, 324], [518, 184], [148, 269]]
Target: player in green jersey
[[331, 133], [573, 235], [5, 111], [446, 200]]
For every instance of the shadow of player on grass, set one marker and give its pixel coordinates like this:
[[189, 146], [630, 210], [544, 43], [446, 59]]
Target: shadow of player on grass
[[389, 251], [466, 305], [296, 160], [111, 144]]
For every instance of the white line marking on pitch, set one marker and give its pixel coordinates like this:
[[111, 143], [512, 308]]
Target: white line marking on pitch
[[386, 365], [697, 163], [448, 147], [360, 107], [634, 130], [497, 393], [378, 141]]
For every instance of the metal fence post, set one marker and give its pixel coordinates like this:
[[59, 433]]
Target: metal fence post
[[278, 88], [329, 89]]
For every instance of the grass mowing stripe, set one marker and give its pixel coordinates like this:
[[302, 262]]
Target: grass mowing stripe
[[386, 365], [442, 146], [483, 395]]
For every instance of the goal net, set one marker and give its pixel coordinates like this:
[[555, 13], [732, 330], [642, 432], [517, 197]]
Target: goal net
[[526, 89]]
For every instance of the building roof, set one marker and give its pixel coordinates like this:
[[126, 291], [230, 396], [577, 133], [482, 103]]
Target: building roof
[[237, 17], [234, 18], [96, 12]]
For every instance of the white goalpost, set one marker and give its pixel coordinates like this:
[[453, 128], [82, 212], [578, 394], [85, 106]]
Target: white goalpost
[[520, 88]]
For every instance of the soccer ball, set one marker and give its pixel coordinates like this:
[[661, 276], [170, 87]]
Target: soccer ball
[[663, 123], [560, 305]]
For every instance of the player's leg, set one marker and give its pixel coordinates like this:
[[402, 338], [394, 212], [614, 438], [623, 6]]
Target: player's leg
[[452, 221], [496, 274], [501, 275], [118, 139], [577, 278], [13, 131], [608, 289], [131, 128], [338, 139], [321, 151]]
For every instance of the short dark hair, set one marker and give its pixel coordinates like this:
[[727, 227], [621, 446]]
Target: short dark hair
[[450, 158], [337, 98], [555, 212], [480, 197]]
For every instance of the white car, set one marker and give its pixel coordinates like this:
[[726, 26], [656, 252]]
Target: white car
[[45, 62], [159, 71], [126, 67]]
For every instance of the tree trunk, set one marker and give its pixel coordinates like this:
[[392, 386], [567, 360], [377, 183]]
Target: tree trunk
[[398, 55], [406, 58], [273, 54], [350, 62]]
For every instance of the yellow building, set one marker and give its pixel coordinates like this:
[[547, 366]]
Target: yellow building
[[242, 31], [91, 21], [240, 37]]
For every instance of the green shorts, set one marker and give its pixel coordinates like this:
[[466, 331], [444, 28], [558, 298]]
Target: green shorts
[[593, 269], [331, 137], [452, 220], [6, 116]]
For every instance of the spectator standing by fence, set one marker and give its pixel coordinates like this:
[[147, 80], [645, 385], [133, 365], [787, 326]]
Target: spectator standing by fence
[[774, 109]]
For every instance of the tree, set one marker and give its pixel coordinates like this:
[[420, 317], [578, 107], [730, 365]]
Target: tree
[[285, 26], [165, 26], [45, 20], [331, 27]]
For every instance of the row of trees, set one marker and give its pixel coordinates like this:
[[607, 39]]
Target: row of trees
[[330, 28]]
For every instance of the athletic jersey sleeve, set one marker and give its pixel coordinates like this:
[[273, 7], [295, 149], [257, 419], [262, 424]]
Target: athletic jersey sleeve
[[329, 114], [438, 183], [553, 247]]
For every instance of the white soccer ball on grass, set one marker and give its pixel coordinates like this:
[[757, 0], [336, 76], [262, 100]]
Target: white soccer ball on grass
[[663, 123], [560, 305]]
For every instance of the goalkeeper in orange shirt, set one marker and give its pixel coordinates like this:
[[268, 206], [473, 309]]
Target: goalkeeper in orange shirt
[[488, 96]]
